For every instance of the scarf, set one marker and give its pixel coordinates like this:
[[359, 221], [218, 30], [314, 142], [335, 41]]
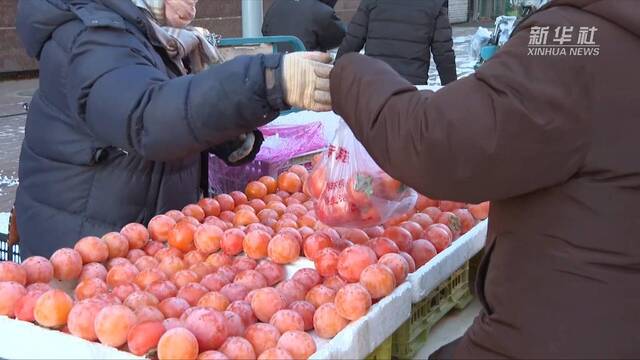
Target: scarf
[[191, 43]]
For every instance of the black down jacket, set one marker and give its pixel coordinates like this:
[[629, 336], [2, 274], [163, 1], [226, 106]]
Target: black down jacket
[[113, 135], [312, 21], [403, 33]]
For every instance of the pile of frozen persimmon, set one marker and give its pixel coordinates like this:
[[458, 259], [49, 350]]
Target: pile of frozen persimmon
[[209, 282]]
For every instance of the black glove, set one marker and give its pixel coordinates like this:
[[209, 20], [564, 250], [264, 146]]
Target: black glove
[[240, 151]]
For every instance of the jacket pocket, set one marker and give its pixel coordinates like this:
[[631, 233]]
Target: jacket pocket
[[482, 275]]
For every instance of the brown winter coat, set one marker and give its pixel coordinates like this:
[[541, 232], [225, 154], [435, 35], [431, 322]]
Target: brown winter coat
[[554, 143]]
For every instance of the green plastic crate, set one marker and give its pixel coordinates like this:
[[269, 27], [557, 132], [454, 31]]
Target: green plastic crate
[[453, 293], [383, 352]]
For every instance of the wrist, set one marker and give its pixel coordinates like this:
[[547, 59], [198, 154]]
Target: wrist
[[274, 83]]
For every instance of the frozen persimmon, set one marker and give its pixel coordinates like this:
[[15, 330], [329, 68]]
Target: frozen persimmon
[[244, 218], [242, 263], [353, 260], [270, 183], [192, 293], [291, 290], [202, 269], [117, 244], [285, 222], [137, 234], [176, 215], [352, 301], [228, 272], [314, 243], [23, 307], [257, 205], [92, 249], [172, 323], [299, 170], [262, 336], [147, 277], [191, 220], [238, 348], [123, 290], [10, 294], [374, 231], [297, 209], [146, 262], [181, 236], [383, 245], [178, 343], [356, 236], [433, 212], [194, 211], [171, 265], [207, 238], [306, 310], [139, 299], [244, 310], [335, 282], [328, 322], [267, 214], [93, 270], [173, 307], [226, 202], [401, 236], [250, 279], [67, 264], [219, 259], [412, 227], [134, 254], [162, 289], [121, 274], [326, 262], [397, 264], [285, 320], [144, 337], [255, 244], [234, 291], [277, 206], [148, 313], [319, 295], [422, 252], [37, 269], [210, 206], [42, 287], [256, 190], [81, 319], [410, 261], [235, 325], [379, 280], [214, 300], [167, 252], [272, 272], [275, 354], [89, 288], [10, 271], [467, 220], [307, 277], [480, 211], [52, 308], [209, 327], [193, 257], [227, 217], [212, 355], [289, 182], [452, 221], [266, 302], [297, 343], [184, 277], [231, 242], [239, 198], [422, 219], [283, 249], [214, 282]]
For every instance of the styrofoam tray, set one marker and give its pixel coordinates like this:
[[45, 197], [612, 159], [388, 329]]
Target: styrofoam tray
[[438, 269]]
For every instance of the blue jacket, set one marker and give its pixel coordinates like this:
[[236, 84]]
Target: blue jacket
[[113, 135]]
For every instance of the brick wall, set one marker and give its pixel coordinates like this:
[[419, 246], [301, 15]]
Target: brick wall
[[221, 16]]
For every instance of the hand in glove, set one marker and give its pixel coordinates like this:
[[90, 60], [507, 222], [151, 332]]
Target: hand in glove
[[305, 79], [240, 151]]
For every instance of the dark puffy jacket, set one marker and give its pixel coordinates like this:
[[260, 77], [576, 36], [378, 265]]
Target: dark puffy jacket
[[312, 21], [113, 135], [403, 33]]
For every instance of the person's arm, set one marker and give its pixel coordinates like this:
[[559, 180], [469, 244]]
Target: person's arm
[[510, 129], [331, 31], [442, 47], [356, 34], [126, 102]]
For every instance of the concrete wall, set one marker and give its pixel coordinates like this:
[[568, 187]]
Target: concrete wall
[[220, 16]]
